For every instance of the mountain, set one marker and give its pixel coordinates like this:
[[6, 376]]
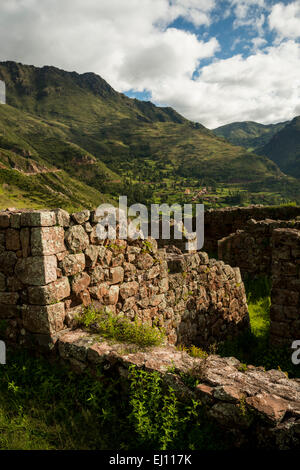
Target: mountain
[[71, 140], [284, 148], [249, 134]]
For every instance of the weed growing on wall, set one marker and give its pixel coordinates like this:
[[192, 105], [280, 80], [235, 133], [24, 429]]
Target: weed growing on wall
[[119, 328]]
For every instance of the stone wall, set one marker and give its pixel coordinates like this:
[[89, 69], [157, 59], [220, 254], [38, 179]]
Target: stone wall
[[251, 249], [285, 295], [52, 264], [220, 223]]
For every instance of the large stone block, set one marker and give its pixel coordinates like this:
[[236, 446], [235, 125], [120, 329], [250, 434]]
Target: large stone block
[[47, 240], [76, 239], [37, 270], [40, 218], [51, 293], [44, 319]]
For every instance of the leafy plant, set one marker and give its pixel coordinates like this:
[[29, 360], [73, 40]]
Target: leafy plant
[[121, 329]]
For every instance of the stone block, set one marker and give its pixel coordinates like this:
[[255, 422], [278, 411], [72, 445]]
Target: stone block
[[100, 291], [42, 218], [76, 239], [145, 261], [47, 241], [128, 289], [73, 264], [8, 260], [44, 319], [80, 282], [116, 275], [51, 293], [97, 275], [37, 270], [4, 220], [62, 217], [91, 255], [25, 241], [112, 296], [81, 217], [13, 239], [2, 282], [9, 298]]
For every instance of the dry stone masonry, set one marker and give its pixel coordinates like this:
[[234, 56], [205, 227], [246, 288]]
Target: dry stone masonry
[[251, 248], [285, 295], [220, 223], [52, 264]]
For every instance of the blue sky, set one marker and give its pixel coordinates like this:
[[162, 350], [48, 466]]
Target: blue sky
[[214, 61], [234, 35]]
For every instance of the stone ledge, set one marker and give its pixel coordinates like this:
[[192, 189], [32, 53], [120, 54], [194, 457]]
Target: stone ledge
[[235, 399]]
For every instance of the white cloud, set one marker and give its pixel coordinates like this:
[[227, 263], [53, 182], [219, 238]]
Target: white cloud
[[249, 13], [121, 40], [264, 87], [128, 43], [285, 19]]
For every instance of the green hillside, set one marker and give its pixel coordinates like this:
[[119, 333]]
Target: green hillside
[[95, 143], [249, 134], [284, 148]]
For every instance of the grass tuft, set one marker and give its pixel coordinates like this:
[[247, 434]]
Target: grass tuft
[[120, 329]]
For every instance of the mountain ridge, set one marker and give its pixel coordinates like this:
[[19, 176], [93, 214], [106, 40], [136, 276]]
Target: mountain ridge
[[109, 143]]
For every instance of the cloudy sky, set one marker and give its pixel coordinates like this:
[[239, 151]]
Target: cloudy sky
[[214, 61]]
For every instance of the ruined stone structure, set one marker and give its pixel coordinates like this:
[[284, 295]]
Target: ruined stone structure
[[285, 295], [52, 264], [251, 248], [220, 223]]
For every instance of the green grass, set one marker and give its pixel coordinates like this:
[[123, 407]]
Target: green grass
[[119, 328], [46, 406], [253, 347]]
